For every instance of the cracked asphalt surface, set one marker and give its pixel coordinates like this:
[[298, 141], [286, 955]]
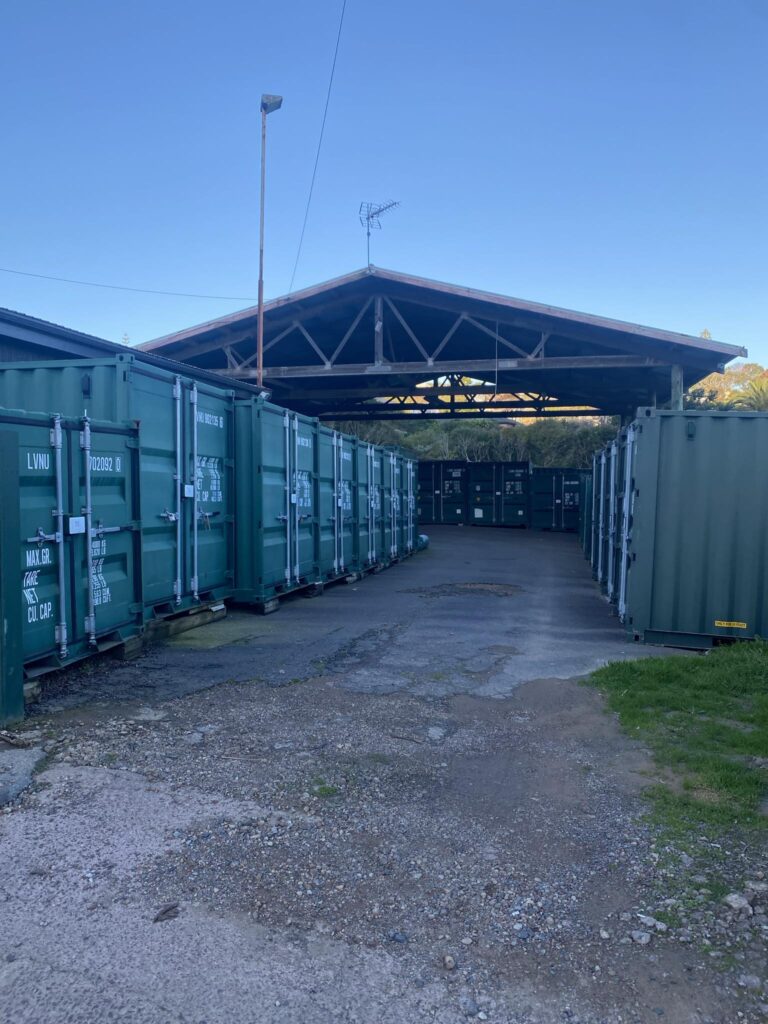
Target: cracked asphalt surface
[[392, 802]]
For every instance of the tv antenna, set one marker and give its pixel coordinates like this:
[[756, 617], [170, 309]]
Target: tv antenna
[[370, 217]]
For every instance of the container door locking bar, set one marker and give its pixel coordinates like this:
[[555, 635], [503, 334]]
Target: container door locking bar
[[626, 524], [612, 522], [286, 517], [336, 502], [297, 516], [90, 618], [601, 525], [175, 517], [195, 471]]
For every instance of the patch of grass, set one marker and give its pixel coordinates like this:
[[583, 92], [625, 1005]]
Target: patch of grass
[[669, 917], [706, 720], [322, 788]]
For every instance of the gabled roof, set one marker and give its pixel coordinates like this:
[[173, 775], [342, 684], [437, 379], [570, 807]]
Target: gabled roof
[[307, 296], [378, 343]]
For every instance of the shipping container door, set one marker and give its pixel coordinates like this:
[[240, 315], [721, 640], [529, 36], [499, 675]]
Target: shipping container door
[[428, 492], [105, 539], [412, 529], [209, 513], [513, 500], [164, 488], [377, 506], [481, 482], [569, 504], [303, 444], [625, 527], [543, 500], [326, 469], [361, 504], [345, 502], [45, 565], [274, 444], [395, 497], [453, 493]]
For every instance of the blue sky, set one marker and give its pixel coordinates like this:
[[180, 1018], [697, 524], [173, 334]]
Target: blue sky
[[601, 155]]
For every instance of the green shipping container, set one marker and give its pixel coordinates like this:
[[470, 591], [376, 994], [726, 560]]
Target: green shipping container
[[401, 467], [443, 492], [368, 511], [499, 493], [427, 498], [279, 537], [77, 576], [585, 513], [337, 504], [186, 463], [695, 570], [555, 499]]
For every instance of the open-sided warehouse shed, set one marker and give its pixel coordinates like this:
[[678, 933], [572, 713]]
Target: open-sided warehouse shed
[[381, 344]]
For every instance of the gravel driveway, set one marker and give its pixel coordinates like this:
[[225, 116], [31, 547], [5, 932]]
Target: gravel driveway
[[392, 803]]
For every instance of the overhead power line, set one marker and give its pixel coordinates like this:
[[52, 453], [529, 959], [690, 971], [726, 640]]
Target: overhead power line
[[319, 145], [127, 288]]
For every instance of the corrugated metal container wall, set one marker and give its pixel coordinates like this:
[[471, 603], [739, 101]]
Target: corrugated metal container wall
[[602, 505], [514, 483], [186, 465], [276, 520], [428, 492], [495, 493], [395, 501], [451, 489], [697, 543], [406, 531], [336, 504], [585, 513], [481, 485], [78, 576], [368, 505], [555, 499]]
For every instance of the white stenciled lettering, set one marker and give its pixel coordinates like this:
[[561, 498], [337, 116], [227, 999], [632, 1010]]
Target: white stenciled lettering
[[210, 419], [209, 482], [101, 592], [38, 460], [106, 464], [38, 556], [303, 489]]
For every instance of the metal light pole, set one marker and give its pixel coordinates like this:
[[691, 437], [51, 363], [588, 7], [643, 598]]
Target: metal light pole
[[268, 104]]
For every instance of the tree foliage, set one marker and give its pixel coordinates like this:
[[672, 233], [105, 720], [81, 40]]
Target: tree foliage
[[550, 442], [754, 395], [725, 390]]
